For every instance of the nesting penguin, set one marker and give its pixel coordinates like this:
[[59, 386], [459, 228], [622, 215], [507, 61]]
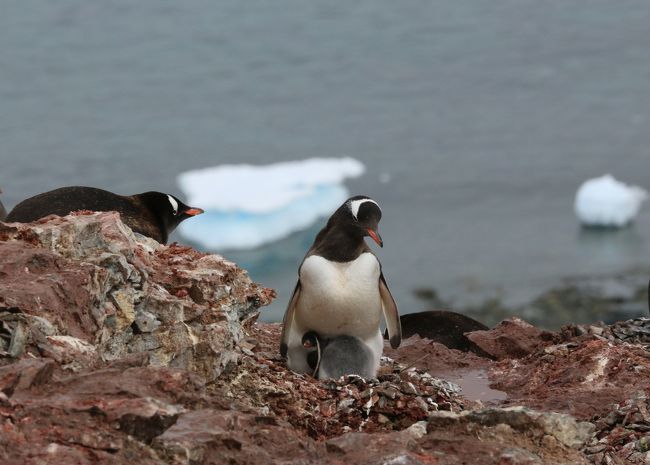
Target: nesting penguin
[[152, 214], [341, 289], [338, 356]]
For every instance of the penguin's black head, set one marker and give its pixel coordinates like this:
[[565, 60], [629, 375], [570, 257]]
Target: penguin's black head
[[168, 208], [361, 215], [312, 343]]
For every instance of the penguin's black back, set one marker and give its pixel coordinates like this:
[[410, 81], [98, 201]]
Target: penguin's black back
[[443, 326], [65, 200], [133, 210]]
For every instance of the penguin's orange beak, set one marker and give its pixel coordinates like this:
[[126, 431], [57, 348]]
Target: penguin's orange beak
[[375, 237], [193, 211]]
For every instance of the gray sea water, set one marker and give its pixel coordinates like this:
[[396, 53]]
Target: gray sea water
[[476, 120]]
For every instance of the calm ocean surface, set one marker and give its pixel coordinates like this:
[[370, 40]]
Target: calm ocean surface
[[476, 120]]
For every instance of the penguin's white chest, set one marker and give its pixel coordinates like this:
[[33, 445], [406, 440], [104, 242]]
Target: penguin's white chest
[[340, 298]]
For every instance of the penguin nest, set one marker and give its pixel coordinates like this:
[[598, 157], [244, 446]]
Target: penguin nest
[[398, 398]]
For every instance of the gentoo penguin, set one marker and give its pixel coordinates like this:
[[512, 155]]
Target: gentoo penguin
[[442, 326], [341, 289], [151, 214], [3, 212], [338, 356]]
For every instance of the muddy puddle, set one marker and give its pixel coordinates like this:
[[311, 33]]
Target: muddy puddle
[[475, 385]]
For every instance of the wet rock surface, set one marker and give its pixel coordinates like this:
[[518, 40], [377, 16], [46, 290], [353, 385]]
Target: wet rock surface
[[116, 349]]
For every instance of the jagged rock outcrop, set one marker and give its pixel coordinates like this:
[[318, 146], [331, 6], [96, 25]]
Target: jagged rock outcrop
[[85, 289], [115, 349]]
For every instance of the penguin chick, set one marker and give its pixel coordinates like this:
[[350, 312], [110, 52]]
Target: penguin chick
[[152, 214], [338, 356], [341, 289]]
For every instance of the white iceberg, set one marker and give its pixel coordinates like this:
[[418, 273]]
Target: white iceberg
[[607, 202], [247, 206]]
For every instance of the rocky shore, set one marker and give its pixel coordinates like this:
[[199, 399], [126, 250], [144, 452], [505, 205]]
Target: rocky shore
[[577, 299], [116, 349]]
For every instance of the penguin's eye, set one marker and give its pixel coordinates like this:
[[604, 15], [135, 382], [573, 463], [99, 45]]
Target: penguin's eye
[[307, 344], [174, 204], [362, 209]]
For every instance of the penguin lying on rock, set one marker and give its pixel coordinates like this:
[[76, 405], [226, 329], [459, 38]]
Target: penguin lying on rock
[[151, 214], [442, 326], [3, 212], [338, 356], [341, 289]]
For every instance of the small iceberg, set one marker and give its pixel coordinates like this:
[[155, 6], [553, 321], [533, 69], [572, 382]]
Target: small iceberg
[[607, 202], [247, 206]]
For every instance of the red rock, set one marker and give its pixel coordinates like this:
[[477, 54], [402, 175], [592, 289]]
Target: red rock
[[144, 353], [25, 374], [91, 278], [583, 380], [433, 356], [212, 436], [42, 283], [512, 338]]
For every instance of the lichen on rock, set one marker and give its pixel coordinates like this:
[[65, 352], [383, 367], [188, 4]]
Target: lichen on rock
[[116, 349], [89, 277]]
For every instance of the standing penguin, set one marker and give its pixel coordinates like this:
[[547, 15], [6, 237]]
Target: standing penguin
[[151, 214], [339, 356], [341, 289]]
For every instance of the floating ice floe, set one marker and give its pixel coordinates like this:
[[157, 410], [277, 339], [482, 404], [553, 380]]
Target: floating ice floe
[[247, 206], [607, 202]]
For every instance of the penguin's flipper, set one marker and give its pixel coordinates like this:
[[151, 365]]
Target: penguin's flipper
[[288, 319], [391, 314]]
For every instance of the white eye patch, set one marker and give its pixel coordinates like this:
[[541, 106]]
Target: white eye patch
[[356, 204], [174, 203]]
